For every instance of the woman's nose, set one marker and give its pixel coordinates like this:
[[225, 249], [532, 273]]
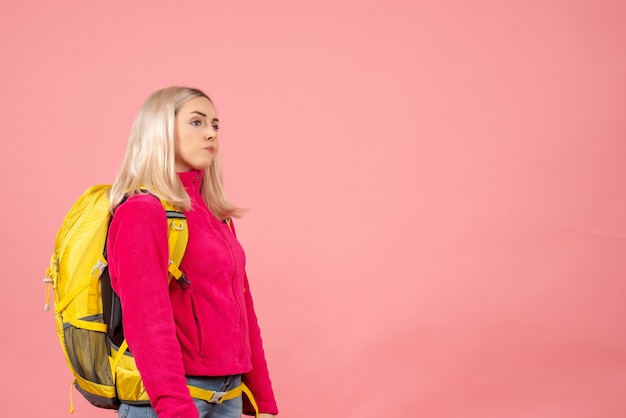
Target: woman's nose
[[211, 134]]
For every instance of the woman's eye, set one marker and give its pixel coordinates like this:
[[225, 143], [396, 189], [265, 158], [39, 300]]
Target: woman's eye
[[216, 127], [196, 122]]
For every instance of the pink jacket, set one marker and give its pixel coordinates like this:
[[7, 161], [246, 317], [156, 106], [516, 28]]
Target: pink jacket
[[207, 329]]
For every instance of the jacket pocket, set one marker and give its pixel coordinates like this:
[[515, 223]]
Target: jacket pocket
[[198, 324]]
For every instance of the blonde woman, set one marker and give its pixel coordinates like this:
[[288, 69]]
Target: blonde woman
[[204, 332]]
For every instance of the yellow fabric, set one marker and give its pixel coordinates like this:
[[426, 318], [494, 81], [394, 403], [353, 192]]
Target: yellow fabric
[[127, 378], [88, 325], [177, 239], [71, 397], [102, 390], [207, 395], [75, 272], [174, 271], [89, 213], [250, 397], [117, 356]]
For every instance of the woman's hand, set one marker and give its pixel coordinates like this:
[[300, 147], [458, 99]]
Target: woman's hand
[[266, 415]]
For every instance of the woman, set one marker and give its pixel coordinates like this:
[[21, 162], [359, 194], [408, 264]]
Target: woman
[[205, 333]]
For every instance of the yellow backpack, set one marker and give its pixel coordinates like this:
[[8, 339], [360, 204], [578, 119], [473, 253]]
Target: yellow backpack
[[88, 313], [104, 373]]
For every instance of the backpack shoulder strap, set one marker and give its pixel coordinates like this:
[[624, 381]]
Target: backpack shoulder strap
[[178, 235]]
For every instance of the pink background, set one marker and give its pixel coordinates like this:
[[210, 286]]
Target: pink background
[[436, 190]]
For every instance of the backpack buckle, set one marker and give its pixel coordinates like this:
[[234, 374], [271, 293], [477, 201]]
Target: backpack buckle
[[217, 397], [183, 282]]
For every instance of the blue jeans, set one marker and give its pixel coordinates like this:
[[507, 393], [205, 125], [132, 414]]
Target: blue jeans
[[227, 409]]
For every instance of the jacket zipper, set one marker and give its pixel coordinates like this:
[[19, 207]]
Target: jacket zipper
[[232, 284], [232, 260]]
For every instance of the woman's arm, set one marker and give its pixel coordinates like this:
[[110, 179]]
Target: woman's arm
[[138, 256], [258, 380]]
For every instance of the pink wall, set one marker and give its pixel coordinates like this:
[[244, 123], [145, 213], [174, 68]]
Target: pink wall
[[437, 223]]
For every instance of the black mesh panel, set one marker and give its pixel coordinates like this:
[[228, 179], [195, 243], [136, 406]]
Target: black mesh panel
[[91, 362]]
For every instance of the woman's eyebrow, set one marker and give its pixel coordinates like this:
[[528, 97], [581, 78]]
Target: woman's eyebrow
[[204, 116]]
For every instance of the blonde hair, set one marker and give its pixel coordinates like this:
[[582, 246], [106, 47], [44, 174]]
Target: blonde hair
[[149, 162]]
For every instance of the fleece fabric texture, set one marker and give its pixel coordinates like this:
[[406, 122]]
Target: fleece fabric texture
[[209, 328]]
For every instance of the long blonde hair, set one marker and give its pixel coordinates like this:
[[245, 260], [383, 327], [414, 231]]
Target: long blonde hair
[[149, 162]]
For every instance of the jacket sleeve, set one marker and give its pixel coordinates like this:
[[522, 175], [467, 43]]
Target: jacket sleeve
[[258, 380], [138, 260]]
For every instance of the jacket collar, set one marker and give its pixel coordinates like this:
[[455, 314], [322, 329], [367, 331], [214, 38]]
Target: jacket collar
[[191, 179]]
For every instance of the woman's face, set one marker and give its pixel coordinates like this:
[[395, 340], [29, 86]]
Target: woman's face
[[195, 135]]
